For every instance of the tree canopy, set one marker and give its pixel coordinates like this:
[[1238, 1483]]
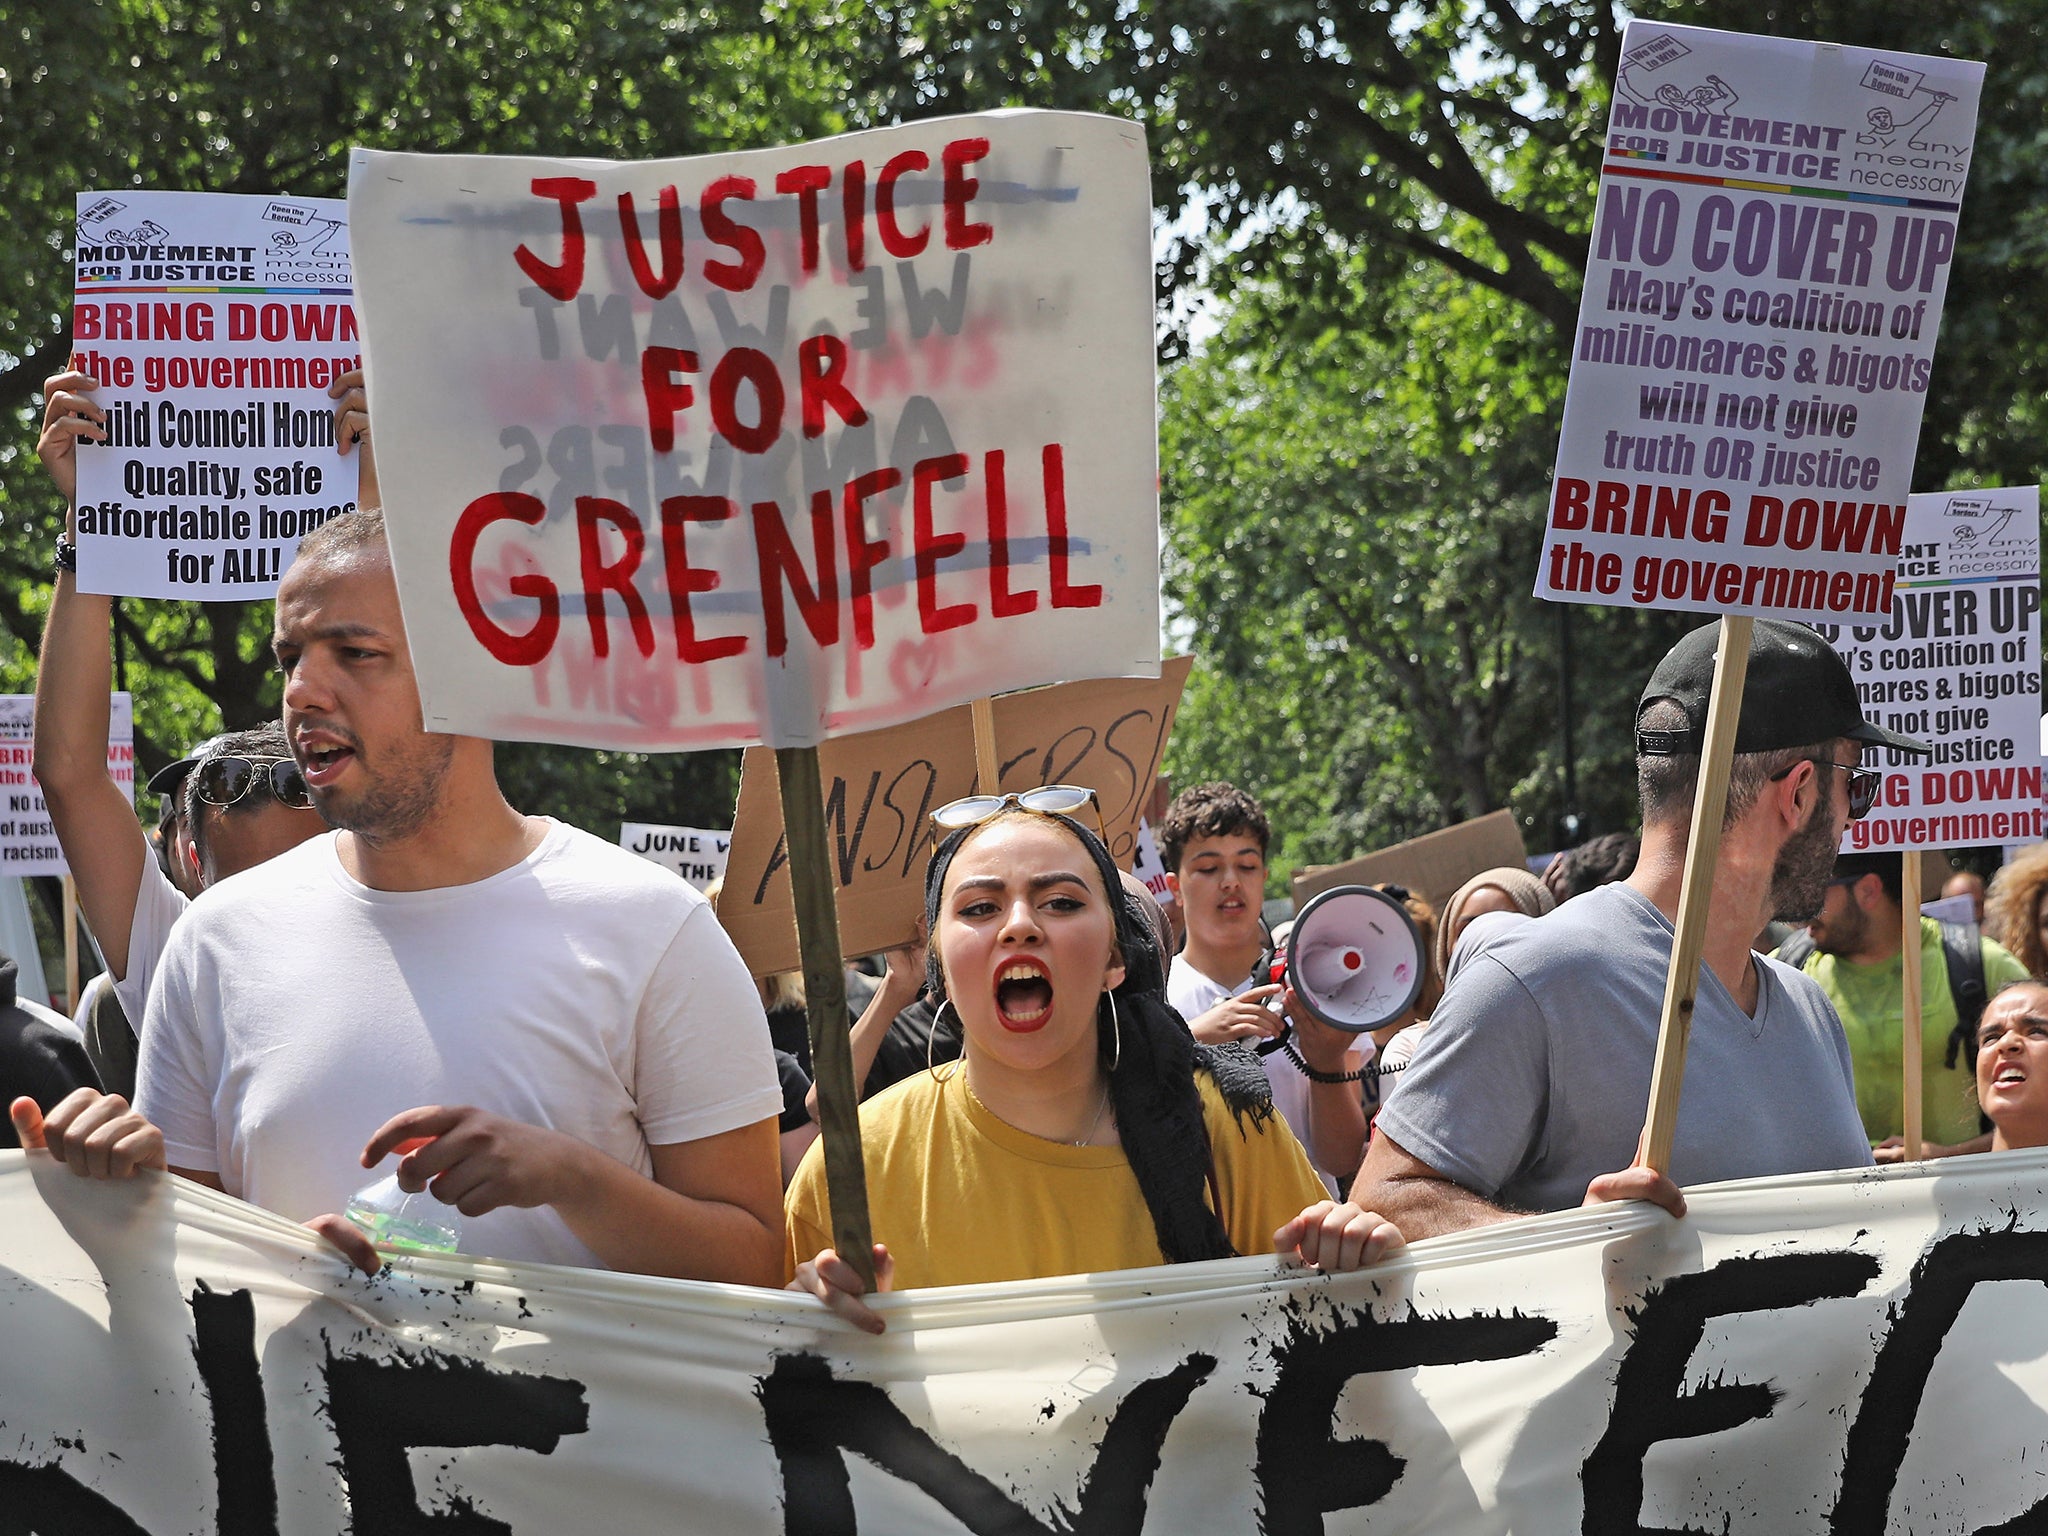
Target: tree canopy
[[1374, 216]]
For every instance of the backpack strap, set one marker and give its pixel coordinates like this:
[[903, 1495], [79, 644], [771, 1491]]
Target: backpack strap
[[1796, 950], [1962, 947]]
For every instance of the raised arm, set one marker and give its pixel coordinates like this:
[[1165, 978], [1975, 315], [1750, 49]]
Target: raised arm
[[902, 981], [95, 823]]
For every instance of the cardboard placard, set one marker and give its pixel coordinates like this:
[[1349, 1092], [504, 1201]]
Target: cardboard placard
[[771, 446], [214, 323], [1770, 252], [882, 786], [1433, 865]]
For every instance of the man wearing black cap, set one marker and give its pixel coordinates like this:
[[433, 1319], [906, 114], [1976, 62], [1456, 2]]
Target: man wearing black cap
[[1529, 1090]]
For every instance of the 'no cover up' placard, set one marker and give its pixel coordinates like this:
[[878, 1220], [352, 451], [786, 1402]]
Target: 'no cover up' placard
[[1770, 251], [214, 324], [1957, 665], [771, 446]]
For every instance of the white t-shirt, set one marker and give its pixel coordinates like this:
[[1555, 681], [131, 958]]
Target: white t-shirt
[[158, 904], [1193, 994], [583, 990]]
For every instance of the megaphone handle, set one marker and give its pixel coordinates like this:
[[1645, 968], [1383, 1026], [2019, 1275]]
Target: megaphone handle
[[1315, 1074]]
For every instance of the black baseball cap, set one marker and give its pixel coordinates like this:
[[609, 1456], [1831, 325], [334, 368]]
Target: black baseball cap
[[167, 779], [1797, 691]]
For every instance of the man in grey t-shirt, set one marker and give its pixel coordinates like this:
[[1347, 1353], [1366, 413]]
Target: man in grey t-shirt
[[1529, 1089]]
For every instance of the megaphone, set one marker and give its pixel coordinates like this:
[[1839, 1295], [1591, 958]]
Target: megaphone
[[1354, 958]]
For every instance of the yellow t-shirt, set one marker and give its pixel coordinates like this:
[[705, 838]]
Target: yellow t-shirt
[[961, 1198]]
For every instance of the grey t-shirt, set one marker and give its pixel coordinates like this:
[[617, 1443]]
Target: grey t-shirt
[[1534, 1075]]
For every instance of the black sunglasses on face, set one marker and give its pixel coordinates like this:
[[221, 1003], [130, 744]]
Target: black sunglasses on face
[[226, 780], [1864, 783]]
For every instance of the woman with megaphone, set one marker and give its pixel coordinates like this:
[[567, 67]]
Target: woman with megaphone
[[1083, 1130]]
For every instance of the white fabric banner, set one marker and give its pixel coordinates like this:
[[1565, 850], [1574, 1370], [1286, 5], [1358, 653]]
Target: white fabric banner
[[1851, 1353], [213, 322], [771, 446], [1770, 251], [28, 840]]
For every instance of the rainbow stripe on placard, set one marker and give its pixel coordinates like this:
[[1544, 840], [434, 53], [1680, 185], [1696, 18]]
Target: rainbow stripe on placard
[[1968, 581], [1783, 188], [103, 285]]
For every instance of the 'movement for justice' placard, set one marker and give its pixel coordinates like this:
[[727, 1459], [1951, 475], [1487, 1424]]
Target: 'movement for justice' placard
[[213, 323], [1958, 665], [765, 447], [1756, 336]]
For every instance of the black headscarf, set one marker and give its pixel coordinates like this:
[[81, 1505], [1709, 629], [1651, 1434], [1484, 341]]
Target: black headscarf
[[1158, 1107]]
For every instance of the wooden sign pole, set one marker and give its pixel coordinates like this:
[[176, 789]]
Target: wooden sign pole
[[987, 768], [70, 944], [817, 931], [1681, 983], [1909, 972]]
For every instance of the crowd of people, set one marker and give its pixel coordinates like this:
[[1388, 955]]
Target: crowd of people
[[345, 946]]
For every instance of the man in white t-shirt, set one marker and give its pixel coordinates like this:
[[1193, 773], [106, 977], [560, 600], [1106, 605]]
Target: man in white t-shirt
[[557, 1038], [1213, 842]]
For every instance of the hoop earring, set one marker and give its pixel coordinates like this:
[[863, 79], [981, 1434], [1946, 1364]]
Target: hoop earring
[[932, 1039], [1116, 1033]]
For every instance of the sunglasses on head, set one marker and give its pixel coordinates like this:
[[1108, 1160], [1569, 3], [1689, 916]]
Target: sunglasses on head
[[1046, 800], [1864, 783], [226, 780]]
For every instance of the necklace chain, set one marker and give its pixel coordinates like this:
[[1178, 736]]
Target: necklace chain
[[1089, 1135]]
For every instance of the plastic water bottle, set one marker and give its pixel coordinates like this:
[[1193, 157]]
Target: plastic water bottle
[[395, 1219]]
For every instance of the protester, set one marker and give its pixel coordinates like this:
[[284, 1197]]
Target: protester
[[1213, 843], [1966, 882], [2012, 1065], [2016, 909], [41, 1057], [1506, 889], [1599, 861], [128, 901], [1529, 1088], [1852, 948], [1084, 1130], [556, 1035]]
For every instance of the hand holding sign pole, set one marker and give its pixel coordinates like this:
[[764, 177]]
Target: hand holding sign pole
[[817, 927], [1682, 981]]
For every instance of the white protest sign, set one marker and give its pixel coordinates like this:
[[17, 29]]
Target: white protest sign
[[214, 323], [766, 447], [1149, 867], [694, 853], [1832, 1353], [1958, 666], [1770, 252], [28, 843], [1951, 909]]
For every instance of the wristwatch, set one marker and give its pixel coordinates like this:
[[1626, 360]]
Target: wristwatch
[[67, 554]]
